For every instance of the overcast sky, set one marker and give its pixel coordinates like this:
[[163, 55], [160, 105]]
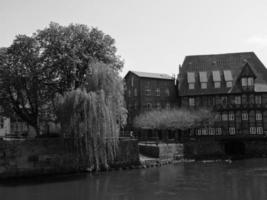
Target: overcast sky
[[151, 35]]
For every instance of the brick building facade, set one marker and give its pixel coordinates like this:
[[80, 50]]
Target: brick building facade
[[146, 91]]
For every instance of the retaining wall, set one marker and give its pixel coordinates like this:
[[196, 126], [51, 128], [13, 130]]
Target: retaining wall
[[52, 156]]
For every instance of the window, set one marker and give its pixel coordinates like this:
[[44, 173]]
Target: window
[[218, 131], [259, 130], [244, 82], [244, 116], [251, 99], [135, 92], [217, 84], [157, 92], [229, 84], [191, 86], [224, 117], [258, 116], [158, 106], [252, 130], [231, 116], [147, 91], [129, 93], [135, 106], [203, 85], [203, 80], [132, 81], [232, 131], [218, 117], [191, 101], [258, 99], [250, 81], [228, 78], [204, 131], [237, 100], [1, 122], [167, 91], [211, 131], [191, 80], [198, 131]]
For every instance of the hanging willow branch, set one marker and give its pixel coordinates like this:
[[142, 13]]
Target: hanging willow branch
[[92, 116]]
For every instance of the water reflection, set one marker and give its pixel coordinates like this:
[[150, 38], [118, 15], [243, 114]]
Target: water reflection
[[244, 180]]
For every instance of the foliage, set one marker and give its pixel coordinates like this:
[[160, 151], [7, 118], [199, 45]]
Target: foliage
[[93, 115], [177, 119], [54, 60]]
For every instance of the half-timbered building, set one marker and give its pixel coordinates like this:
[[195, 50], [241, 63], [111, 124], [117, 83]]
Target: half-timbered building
[[233, 85]]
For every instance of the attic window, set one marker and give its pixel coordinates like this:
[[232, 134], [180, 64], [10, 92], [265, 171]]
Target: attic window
[[216, 76], [191, 80], [228, 78], [203, 79]]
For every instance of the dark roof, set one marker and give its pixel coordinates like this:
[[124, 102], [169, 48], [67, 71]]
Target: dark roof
[[234, 62], [151, 75]]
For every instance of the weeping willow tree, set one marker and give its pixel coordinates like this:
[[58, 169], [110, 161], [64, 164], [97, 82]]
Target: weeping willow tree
[[93, 115]]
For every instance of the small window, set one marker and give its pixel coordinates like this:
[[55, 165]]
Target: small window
[[224, 117], [129, 93], [252, 130], [258, 116], [244, 82], [244, 116], [199, 131], [232, 131], [211, 131], [191, 101], [157, 92], [231, 116], [250, 81], [237, 100], [147, 92], [132, 81], [204, 131], [203, 85], [258, 99], [217, 84], [259, 130], [135, 106], [191, 86], [229, 84], [135, 92], [167, 91], [218, 131]]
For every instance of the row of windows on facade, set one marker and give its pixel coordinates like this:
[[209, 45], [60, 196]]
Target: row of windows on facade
[[231, 131], [149, 106], [246, 82], [244, 99], [244, 116], [148, 92]]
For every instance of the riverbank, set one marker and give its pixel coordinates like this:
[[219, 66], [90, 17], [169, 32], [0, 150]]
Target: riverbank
[[51, 156]]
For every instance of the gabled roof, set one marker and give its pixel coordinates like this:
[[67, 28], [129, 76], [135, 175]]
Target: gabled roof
[[222, 63], [151, 75]]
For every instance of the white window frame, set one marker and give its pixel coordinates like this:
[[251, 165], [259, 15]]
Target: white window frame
[[259, 130], [218, 131], [217, 84], [191, 101], [257, 99], [191, 86], [252, 130], [244, 116], [204, 85], [237, 100], [232, 131], [250, 81], [158, 92], [231, 116], [229, 84], [224, 117], [244, 81], [147, 92], [258, 116]]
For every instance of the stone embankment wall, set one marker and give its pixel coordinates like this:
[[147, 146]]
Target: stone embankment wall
[[52, 156]]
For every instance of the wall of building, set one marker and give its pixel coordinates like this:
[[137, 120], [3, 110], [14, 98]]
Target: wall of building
[[4, 126], [52, 156]]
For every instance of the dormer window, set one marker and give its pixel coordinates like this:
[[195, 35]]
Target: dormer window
[[191, 80], [228, 78], [216, 76], [247, 82], [203, 80]]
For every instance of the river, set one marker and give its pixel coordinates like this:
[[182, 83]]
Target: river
[[243, 179]]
